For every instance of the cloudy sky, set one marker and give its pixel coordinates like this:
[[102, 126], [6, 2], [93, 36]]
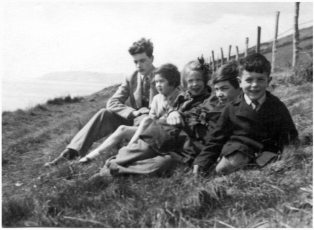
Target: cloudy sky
[[43, 37]]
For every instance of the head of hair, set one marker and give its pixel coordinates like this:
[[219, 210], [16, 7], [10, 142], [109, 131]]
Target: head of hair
[[141, 46], [228, 72], [255, 63], [169, 72], [195, 66]]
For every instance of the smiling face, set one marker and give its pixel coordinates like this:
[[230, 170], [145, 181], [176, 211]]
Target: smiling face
[[195, 83], [162, 85], [143, 63], [225, 91], [254, 84]]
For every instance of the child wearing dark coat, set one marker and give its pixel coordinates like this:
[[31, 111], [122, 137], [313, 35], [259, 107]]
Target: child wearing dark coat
[[253, 128], [201, 120]]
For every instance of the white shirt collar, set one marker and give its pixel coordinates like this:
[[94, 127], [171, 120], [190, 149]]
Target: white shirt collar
[[260, 101]]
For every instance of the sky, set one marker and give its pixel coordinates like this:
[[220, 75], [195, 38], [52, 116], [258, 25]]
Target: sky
[[42, 37]]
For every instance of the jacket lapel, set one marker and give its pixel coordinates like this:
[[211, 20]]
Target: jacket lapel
[[243, 109], [153, 91], [137, 89]]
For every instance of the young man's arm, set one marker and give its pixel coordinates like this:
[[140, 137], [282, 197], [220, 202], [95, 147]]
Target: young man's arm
[[117, 102]]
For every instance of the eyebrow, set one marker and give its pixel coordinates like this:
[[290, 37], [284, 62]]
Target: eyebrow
[[222, 86], [140, 60]]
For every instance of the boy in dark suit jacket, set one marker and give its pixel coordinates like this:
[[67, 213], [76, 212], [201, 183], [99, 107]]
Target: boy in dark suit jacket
[[253, 128]]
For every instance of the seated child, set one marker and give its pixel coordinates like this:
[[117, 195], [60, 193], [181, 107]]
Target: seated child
[[167, 80], [201, 120], [253, 128], [143, 156]]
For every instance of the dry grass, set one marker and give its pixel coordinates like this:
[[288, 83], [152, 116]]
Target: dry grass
[[279, 195]]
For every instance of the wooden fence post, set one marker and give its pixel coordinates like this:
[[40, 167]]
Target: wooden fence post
[[246, 47], [258, 45], [295, 59], [218, 61], [229, 55], [273, 59], [214, 64], [237, 53], [222, 56]]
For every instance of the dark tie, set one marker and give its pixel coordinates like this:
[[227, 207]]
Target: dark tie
[[145, 91], [255, 105]]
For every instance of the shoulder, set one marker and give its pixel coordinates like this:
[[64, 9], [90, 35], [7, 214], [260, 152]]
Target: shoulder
[[274, 101], [212, 101], [132, 76], [237, 100], [157, 97], [272, 98]]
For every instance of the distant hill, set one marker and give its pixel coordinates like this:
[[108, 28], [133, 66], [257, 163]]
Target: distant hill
[[83, 76]]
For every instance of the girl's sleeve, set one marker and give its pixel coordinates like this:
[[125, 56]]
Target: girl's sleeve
[[153, 112]]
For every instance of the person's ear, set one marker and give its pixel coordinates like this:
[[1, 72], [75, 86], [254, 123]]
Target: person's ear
[[152, 57], [239, 80]]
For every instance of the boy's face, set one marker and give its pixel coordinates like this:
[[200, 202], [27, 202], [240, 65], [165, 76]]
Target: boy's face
[[254, 84], [143, 63], [195, 83], [225, 91], [162, 85]]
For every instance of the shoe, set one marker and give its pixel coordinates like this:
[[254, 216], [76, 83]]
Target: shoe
[[94, 178], [68, 154], [85, 160], [105, 172]]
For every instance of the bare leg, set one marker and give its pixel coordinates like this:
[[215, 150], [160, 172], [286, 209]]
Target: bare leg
[[143, 125], [123, 132]]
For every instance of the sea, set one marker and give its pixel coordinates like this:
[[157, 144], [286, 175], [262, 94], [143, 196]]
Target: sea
[[27, 94]]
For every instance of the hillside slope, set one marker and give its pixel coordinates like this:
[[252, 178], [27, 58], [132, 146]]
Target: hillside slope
[[279, 195]]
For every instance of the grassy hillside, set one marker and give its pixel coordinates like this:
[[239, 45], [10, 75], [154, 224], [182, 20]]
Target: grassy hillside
[[279, 195]]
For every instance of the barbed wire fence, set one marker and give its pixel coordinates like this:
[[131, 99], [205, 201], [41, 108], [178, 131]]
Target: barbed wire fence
[[220, 58]]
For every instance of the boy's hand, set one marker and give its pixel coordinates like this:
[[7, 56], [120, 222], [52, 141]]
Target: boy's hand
[[143, 110], [175, 118], [134, 114], [137, 113]]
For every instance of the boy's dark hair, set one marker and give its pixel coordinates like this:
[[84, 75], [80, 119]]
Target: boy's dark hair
[[255, 63], [195, 66], [142, 46], [228, 72], [170, 72]]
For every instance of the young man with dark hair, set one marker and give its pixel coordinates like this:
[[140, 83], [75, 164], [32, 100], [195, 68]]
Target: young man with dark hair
[[138, 88]]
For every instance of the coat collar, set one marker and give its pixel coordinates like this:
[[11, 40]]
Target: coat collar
[[241, 98], [266, 111]]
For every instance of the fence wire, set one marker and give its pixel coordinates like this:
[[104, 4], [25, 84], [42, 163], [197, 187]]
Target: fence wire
[[271, 40]]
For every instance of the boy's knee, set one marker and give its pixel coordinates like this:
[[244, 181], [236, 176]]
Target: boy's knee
[[122, 128], [231, 163], [146, 120], [224, 166], [103, 112], [164, 160]]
